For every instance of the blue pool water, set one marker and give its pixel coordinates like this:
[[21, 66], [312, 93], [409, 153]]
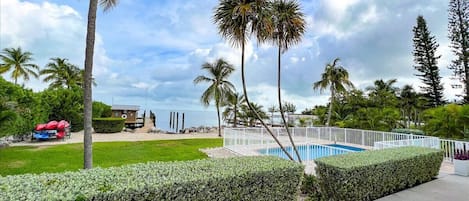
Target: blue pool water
[[311, 152]]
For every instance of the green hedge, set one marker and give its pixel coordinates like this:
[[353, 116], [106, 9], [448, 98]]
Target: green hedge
[[373, 174], [408, 131], [108, 125], [240, 178]]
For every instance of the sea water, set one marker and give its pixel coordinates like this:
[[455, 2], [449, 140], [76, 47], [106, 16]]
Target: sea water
[[191, 119]]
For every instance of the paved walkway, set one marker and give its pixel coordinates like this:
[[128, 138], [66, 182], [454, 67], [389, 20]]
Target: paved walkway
[[448, 187]]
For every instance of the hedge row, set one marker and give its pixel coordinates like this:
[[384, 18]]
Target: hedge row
[[108, 125], [240, 178], [373, 174]]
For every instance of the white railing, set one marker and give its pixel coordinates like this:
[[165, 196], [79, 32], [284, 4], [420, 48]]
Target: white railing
[[249, 141], [450, 146]]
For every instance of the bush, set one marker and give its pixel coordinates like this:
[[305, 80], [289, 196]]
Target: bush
[[408, 131], [101, 110], [373, 174], [240, 178], [310, 187], [108, 125]]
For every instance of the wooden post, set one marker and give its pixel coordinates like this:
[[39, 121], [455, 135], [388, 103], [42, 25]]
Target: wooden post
[[177, 122], [182, 126], [170, 119]]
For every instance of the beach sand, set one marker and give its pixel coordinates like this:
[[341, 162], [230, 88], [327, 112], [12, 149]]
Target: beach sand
[[77, 137]]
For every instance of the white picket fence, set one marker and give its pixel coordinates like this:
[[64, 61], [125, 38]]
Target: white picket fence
[[255, 141]]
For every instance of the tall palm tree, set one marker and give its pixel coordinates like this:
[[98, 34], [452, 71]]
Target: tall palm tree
[[220, 88], [18, 60], [336, 78], [250, 115], [232, 107], [288, 28], [89, 52], [235, 20], [61, 73]]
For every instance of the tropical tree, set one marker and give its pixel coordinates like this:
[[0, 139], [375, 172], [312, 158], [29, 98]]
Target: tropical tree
[[19, 62], [61, 73], [426, 62], [458, 32], [337, 79], [235, 20], [408, 99], [89, 52], [288, 29], [383, 93], [220, 88], [249, 115], [233, 107]]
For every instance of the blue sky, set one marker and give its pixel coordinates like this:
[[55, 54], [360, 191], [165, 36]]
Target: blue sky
[[148, 51]]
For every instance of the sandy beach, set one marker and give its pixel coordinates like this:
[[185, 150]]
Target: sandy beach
[[77, 137]]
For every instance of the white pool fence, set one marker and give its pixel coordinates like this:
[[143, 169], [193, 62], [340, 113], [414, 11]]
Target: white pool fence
[[256, 141]]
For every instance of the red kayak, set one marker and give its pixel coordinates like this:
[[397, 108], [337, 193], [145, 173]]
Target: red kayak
[[40, 127], [52, 125], [62, 125]]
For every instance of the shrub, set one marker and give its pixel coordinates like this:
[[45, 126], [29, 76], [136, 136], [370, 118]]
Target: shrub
[[373, 174], [240, 178], [100, 109], [408, 131], [310, 187], [108, 125]]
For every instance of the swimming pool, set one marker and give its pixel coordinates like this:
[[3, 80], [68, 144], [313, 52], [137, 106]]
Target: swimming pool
[[312, 151]]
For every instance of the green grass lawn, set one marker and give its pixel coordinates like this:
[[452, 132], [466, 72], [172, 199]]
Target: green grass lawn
[[59, 158]]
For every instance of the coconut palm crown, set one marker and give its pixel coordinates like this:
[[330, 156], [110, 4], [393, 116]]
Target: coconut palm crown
[[19, 62]]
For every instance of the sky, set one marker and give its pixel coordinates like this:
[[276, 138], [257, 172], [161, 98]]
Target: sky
[[148, 52]]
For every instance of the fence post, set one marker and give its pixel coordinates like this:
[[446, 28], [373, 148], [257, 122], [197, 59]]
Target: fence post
[[330, 134], [345, 135], [363, 138]]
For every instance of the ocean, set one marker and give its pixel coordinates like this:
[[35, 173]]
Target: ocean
[[191, 119]]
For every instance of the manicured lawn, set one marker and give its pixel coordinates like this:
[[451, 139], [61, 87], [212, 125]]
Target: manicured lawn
[[59, 158]]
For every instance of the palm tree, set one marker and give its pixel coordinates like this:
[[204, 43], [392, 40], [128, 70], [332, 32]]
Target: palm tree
[[408, 102], [383, 92], [89, 51], [232, 18], [220, 87], [250, 115], [232, 107], [336, 78], [61, 73], [18, 60]]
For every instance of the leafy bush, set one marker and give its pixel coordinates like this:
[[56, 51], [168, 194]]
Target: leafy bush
[[240, 178], [373, 174], [310, 187], [108, 125], [447, 121], [101, 110], [408, 131]]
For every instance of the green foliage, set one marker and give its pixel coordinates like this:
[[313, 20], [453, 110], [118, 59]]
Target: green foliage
[[100, 109], [408, 131], [108, 125], [69, 157], [373, 174], [66, 104], [239, 178], [17, 61], [20, 109], [448, 121]]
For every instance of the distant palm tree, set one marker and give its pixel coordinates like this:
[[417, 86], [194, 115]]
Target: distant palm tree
[[289, 27], [250, 115], [220, 87], [18, 60], [61, 73], [336, 78], [87, 91], [236, 19], [383, 92], [233, 107]]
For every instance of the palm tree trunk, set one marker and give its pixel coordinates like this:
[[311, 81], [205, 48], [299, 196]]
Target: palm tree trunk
[[329, 113], [235, 119], [218, 115], [280, 103], [243, 80], [90, 38]]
